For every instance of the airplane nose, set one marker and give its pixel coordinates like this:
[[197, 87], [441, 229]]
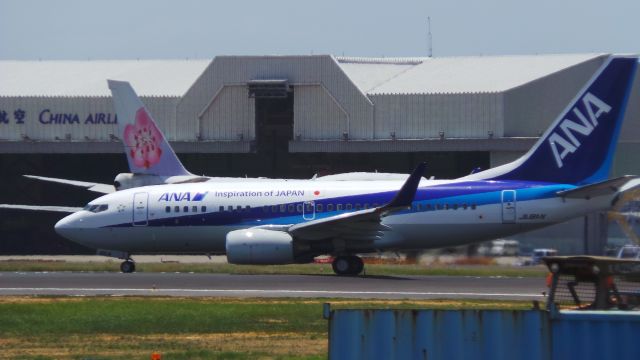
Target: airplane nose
[[66, 227]]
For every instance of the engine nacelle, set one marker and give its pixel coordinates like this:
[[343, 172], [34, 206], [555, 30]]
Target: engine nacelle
[[259, 247], [125, 181]]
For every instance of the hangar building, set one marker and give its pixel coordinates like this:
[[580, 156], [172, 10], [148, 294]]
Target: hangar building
[[286, 116]]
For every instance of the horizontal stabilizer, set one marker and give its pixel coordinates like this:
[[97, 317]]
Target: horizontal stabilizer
[[63, 209], [91, 186], [607, 187]]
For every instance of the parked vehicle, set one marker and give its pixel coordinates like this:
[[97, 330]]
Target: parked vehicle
[[538, 254], [629, 252], [500, 248]]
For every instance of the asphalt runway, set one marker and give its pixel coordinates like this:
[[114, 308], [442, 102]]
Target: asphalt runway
[[187, 284]]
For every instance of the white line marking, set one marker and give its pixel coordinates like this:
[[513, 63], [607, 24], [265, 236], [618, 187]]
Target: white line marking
[[275, 291]]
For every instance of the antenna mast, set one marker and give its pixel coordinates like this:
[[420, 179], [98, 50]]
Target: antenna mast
[[430, 52]]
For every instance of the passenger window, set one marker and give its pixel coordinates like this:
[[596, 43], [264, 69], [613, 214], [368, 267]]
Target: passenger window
[[357, 206], [464, 206], [194, 209], [247, 208], [339, 207], [167, 209], [299, 208], [455, 206], [329, 207], [185, 209], [230, 208], [176, 209], [290, 208], [440, 207], [366, 206], [473, 206], [274, 209], [239, 208], [428, 206], [446, 206], [203, 208], [221, 208], [349, 207], [319, 207], [283, 208]]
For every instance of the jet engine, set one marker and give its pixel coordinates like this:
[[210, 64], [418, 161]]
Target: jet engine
[[259, 247], [128, 180]]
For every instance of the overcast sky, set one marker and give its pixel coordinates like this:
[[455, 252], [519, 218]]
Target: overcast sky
[[159, 29]]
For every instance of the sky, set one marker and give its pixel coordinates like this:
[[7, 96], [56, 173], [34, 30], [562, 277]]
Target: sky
[[162, 29]]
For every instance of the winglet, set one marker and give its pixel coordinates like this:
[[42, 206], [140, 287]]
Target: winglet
[[407, 192]]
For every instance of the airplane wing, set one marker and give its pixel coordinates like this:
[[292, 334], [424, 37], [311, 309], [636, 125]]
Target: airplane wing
[[64, 209], [91, 186], [607, 187], [360, 225]]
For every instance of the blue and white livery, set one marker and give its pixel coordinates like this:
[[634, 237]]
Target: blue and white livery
[[291, 221]]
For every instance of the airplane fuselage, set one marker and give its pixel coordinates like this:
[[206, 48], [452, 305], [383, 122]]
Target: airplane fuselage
[[195, 218]]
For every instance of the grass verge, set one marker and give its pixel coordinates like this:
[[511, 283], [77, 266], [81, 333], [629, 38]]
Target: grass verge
[[180, 328], [370, 269]]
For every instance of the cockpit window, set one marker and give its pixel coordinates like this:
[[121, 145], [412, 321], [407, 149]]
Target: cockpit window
[[96, 208]]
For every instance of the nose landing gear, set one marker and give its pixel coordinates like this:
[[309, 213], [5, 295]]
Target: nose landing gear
[[347, 265]]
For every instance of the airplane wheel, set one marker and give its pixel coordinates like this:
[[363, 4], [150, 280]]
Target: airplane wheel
[[347, 265], [128, 267], [356, 264]]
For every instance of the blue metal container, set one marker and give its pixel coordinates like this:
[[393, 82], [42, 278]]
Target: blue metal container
[[482, 334]]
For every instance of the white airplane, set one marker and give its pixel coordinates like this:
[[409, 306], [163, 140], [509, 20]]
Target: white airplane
[[563, 176], [152, 161]]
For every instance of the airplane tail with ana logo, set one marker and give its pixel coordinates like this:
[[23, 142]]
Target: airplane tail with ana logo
[[148, 151], [578, 147]]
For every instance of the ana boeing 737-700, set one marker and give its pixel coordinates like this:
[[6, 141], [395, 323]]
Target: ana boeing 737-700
[[268, 221]]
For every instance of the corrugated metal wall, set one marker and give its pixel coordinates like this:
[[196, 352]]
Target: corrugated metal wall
[[302, 71], [482, 334], [229, 116], [531, 108], [317, 114], [73, 118], [418, 116]]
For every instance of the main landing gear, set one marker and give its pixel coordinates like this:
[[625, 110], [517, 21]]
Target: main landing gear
[[128, 266], [350, 265]]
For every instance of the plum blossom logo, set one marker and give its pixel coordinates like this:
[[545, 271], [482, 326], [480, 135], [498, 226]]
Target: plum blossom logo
[[144, 139]]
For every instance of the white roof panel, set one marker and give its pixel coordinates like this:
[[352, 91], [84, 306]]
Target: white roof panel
[[89, 78], [473, 74], [367, 73]]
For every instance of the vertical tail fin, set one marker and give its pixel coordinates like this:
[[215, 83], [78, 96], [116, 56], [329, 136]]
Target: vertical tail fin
[[148, 151], [578, 147]]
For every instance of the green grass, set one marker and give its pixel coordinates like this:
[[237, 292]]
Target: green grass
[[181, 328], [370, 269]]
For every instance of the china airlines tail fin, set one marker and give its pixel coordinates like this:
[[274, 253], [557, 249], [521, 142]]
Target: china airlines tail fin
[[578, 147], [148, 152]]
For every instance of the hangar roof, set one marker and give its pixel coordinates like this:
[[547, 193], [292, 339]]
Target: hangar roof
[[472, 74], [88, 77], [373, 76]]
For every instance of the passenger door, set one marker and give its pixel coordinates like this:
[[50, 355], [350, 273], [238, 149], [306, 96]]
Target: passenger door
[[508, 206], [140, 209]]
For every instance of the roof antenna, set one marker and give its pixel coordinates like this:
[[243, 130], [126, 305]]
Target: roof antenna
[[429, 42]]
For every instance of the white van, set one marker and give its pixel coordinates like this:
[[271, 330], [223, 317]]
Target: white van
[[500, 248]]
